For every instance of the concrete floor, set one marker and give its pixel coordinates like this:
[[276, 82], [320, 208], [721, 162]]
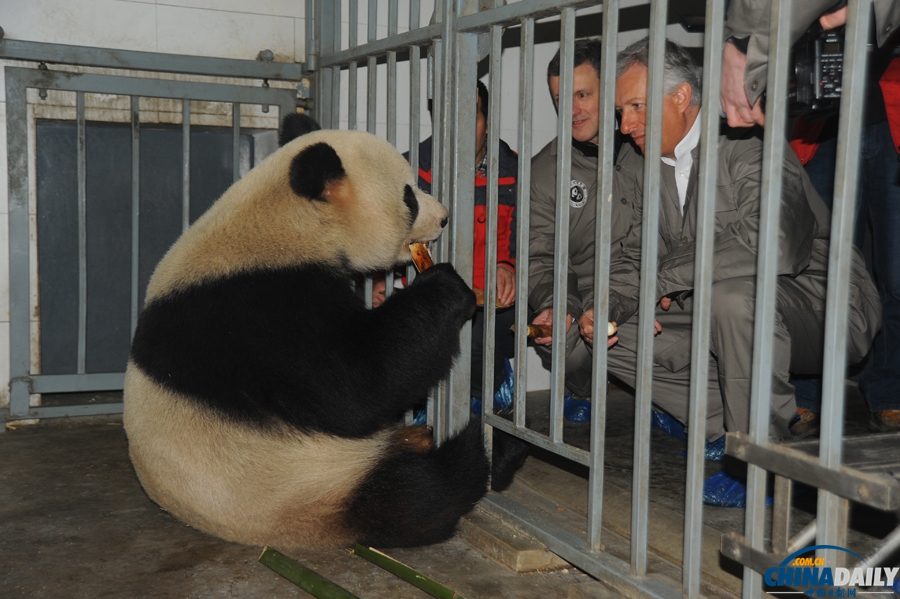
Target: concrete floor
[[74, 522]]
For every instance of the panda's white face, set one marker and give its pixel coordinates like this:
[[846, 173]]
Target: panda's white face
[[369, 189]]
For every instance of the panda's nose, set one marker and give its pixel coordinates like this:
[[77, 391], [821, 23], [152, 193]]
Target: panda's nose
[[444, 222]]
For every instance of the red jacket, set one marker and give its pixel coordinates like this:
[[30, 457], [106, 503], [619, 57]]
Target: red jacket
[[506, 209]]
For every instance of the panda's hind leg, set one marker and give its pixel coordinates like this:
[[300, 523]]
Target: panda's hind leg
[[416, 496]]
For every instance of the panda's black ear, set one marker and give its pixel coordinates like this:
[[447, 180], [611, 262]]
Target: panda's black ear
[[294, 125], [314, 169]]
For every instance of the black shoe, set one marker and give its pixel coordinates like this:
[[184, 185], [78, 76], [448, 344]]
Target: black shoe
[[805, 424]]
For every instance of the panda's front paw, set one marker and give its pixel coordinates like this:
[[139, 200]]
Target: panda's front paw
[[449, 290]]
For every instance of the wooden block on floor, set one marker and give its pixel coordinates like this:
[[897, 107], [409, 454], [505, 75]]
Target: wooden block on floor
[[506, 545], [592, 590]]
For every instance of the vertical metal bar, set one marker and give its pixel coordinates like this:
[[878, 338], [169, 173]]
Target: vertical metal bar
[[490, 226], [766, 280], [185, 164], [82, 232], [336, 26], [415, 107], [325, 45], [640, 498], [372, 17], [335, 102], [435, 77], [19, 247], [703, 269], [236, 141], [437, 401], [352, 89], [781, 515], [353, 26], [414, 14], [393, 17], [135, 207], [311, 51], [368, 286], [523, 210], [561, 233], [460, 142], [336, 97], [602, 223], [831, 513], [371, 95], [392, 77], [388, 283], [352, 95]]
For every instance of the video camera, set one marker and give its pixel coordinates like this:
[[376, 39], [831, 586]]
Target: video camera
[[815, 79]]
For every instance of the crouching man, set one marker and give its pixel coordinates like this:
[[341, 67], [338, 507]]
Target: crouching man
[[802, 262]]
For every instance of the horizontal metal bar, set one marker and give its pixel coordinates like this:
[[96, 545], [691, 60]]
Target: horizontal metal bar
[[735, 546], [511, 14], [572, 548], [398, 43], [567, 451], [155, 88], [863, 487], [65, 383], [148, 61], [96, 409]]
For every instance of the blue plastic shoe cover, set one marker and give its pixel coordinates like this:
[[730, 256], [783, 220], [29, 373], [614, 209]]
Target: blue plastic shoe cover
[[724, 490], [577, 410], [668, 424], [715, 450], [503, 398]]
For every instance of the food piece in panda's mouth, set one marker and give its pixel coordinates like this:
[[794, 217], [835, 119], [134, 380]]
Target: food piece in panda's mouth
[[421, 256]]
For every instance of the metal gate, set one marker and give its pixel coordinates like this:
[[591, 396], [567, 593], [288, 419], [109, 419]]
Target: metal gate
[[26, 88], [451, 42]]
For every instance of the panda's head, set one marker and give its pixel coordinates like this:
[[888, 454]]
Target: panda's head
[[346, 200], [365, 190]]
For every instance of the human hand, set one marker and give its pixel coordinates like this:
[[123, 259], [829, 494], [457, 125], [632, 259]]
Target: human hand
[[733, 96], [546, 317], [506, 285], [665, 303], [586, 327], [834, 20], [378, 292]]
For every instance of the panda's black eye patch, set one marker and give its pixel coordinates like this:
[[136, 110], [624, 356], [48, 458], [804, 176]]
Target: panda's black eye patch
[[313, 169], [409, 198]]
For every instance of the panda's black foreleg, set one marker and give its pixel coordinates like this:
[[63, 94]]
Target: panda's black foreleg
[[416, 498], [415, 333]]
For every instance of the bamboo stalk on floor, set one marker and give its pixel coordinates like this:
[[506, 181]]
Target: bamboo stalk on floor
[[312, 582], [430, 586]]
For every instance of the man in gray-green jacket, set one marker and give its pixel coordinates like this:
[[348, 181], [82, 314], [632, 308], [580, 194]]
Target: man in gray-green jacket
[[802, 262], [582, 201]]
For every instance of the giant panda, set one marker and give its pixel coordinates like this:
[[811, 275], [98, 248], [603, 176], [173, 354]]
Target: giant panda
[[263, 400]]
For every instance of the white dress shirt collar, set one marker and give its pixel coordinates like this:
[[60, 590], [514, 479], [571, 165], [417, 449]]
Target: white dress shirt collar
[[684, 160]]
